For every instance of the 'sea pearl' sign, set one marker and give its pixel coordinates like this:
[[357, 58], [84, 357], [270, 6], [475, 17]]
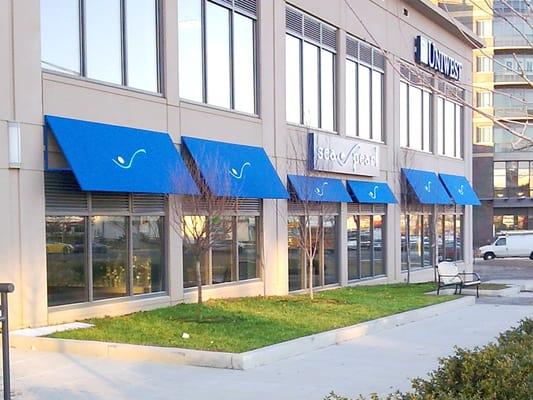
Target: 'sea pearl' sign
[[427, 53], [347, 156]]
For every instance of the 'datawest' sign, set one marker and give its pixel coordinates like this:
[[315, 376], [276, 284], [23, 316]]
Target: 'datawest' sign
[[427, 53], [348, 156]]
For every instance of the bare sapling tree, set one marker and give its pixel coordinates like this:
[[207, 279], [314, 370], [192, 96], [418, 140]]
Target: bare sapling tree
[[309, 219], [202, 221]]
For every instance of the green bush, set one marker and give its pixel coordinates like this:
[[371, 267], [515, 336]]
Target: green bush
[[498, 371]]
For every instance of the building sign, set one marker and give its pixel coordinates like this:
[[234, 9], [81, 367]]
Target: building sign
[[347, 156], [427, 53]]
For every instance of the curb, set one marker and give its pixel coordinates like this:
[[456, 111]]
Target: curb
[[239, 361]]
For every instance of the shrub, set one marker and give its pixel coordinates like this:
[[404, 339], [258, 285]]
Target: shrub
[[498, 371]]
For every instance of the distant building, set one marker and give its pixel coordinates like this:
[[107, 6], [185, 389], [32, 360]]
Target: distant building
[[503, 163]]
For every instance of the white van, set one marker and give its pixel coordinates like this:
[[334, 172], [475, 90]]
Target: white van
[[509, 244]]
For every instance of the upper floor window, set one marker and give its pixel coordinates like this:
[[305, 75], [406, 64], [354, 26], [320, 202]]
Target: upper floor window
[[484, 99], [449, 127], [310, 71], [217, 56], [114, 41], [364, 90], [483, 64], [483, 135], [513, 179], [415, 117], [484, 27]]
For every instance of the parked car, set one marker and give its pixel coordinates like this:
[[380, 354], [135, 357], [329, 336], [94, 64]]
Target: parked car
[[509, 244], [59, 248]]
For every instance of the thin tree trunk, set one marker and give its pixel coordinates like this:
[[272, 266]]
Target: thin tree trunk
[[311, 278], [199, 286]]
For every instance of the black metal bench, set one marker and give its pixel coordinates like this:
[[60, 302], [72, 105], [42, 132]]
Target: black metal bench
[[448, 275]]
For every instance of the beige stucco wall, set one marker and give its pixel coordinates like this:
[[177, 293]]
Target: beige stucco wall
[[27, 93]]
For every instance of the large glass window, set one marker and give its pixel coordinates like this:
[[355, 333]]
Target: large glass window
[[450, 237], [415, 117], [60, 36], [310, 72], [325, 262], [217, 58], [148, 254], [365, 246], [116, 42], [416, 246], [513, 179], [66, 250], [234, 254], [450, 129], [364, 101], [109, 248]]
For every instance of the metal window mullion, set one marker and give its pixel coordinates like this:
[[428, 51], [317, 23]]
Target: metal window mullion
[[159, 44], [123, 42], [408, 119], [231, 16], [301, 77], [321, 261], [319, 78], [357, 119], [203, 19], [82, 38], [359, 263], [255, 60]]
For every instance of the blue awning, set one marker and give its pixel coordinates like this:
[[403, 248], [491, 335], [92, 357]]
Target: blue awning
[[372, 192], [119, 159], [312, 188], [460, 189], [235, 170], [427, 186]]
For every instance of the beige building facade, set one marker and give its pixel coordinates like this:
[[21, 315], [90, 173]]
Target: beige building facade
[[71, 261]]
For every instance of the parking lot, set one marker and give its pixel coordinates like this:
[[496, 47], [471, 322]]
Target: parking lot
[[504, 268]]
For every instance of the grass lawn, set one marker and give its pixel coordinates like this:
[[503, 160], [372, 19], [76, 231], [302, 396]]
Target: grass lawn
[[243, 324], [492, 286]]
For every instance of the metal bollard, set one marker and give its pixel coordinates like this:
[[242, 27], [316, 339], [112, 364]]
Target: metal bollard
[[5, 288]]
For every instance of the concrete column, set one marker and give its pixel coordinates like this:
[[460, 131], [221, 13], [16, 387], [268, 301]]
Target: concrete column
[[343, 244]]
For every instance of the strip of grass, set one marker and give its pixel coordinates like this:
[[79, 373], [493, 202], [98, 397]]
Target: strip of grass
[[243, 324], [492, 286]]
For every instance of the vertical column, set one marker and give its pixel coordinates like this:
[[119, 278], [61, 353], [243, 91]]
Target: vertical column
[[343, 245], [340, 80]]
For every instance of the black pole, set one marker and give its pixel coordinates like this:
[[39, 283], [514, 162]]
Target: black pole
[[5, 288]]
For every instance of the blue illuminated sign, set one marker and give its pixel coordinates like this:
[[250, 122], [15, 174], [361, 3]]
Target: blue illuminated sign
[[427, 53]]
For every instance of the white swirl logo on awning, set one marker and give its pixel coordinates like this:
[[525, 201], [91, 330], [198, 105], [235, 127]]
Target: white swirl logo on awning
[[374, 193], [121, 162], [428, 187], [239, 174], [320, 190]]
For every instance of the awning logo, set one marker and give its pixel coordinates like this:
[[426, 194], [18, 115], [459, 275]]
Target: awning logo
[[320, 190], [374, 193], [461, 190], [121, 162], [239, 174], [428, 187]]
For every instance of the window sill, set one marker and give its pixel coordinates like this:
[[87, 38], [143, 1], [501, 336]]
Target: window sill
[[366, 279], [371, 141], [428, 152], [96, 303], [450, 157], [220, 111], [317, 288], [223, 285], [89, 83]]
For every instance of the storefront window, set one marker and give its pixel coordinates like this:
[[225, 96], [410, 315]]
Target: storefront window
[[416, 244], [148, 254], [450, 237], [110, 256], [65, 258], [510, 221], [233, 255], [365, 246], [325, 261]]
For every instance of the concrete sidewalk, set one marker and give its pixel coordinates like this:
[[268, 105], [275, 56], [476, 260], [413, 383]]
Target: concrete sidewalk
[[381, 362]]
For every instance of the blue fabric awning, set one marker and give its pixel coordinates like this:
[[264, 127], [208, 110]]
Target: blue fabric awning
[[312, 188], [372, 192], [460, 189], [119, 159], [234, 170], [427, 186]]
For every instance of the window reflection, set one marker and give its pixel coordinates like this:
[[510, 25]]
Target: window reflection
[[190, 49], [351, 98], [377, 245], [363, 96], [247, 247], [65, 259], [292, 81], [148, 253], [352, 225], [326, 89], [415, 241], [366, 246], [218, 55], [296, 255], [377, 105], [310, 85], [141, 40], [109, 249], [60, 40], [103, 40], [330, 250], [404, 117], [194, 226], [244, 68]]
